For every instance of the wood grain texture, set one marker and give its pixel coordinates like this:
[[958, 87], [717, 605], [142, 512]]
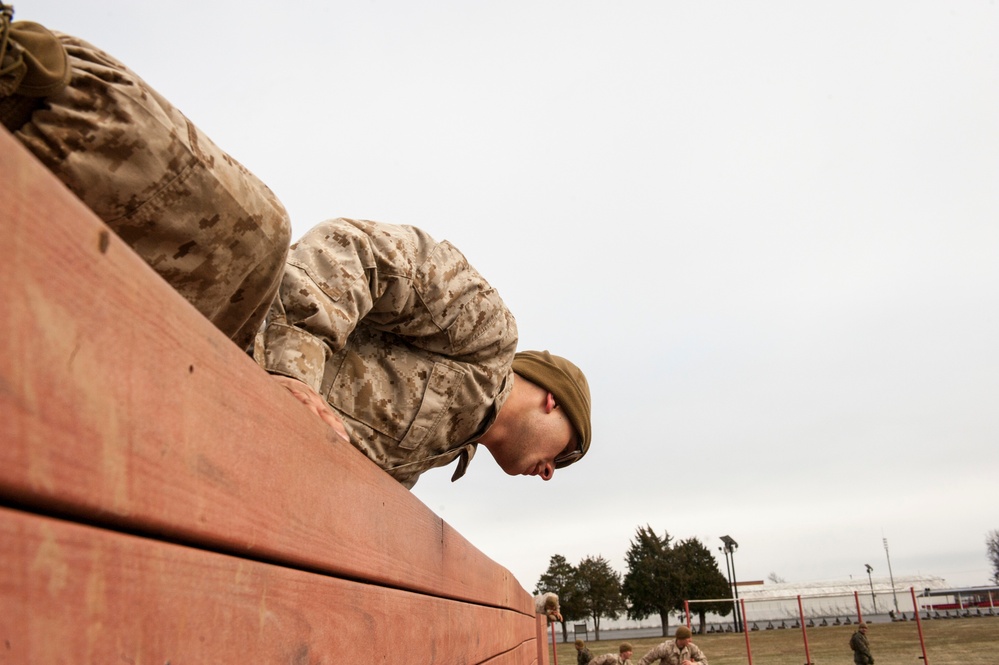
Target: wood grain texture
[[81, 594], [521, 655]]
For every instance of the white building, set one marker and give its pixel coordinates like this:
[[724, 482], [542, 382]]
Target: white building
[[770, 605]]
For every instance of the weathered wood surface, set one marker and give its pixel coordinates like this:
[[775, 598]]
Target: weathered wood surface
[[88, 589], [121, 408]]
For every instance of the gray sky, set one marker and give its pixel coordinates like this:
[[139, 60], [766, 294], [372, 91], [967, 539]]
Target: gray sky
[[766, 230]]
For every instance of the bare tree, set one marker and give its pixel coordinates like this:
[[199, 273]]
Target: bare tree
[[992, 547], [775, 578]]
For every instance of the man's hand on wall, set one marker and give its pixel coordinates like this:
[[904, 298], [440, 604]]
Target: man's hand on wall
[[315, 403]]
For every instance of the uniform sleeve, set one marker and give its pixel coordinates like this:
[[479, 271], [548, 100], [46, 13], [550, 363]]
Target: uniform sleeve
[[697, 655], [396, 279], [656, 654]]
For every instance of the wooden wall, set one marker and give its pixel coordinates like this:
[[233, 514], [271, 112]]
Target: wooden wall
[[163, 501]]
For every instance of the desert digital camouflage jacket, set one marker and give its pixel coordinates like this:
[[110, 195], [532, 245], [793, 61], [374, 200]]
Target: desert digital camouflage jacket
[[405, 340], [667, 653], [609, 659]]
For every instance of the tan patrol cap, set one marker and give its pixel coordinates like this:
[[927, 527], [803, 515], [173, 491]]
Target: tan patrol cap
[[565, 382]]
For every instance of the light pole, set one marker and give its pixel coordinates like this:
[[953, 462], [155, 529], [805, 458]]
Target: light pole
[[728, 577], [730, 547], [890, 576], [873, 599]]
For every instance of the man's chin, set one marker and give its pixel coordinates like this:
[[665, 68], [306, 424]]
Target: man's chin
[[511, 471], [507, 468]]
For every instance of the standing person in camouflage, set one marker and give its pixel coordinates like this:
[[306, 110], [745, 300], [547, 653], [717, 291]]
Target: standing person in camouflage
[[583, 655], [399, 344], [678, 651], [208, 226], [861, 647]]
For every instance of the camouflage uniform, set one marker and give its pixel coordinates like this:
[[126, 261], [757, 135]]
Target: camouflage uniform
[[668, 653], [203, 222], [610, 659], [547, 604], [403, 338], [861, 649]]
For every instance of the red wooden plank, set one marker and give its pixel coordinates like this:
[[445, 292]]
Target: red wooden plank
[[120, 405], [543, 631], [77, 594]]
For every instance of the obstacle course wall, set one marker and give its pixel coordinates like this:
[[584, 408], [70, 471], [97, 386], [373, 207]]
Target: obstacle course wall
[[161, 500]]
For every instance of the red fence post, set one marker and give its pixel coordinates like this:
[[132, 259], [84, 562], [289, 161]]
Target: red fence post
[[919, 625], [860, 615], [804, 633], [554, 650], [745, 629]]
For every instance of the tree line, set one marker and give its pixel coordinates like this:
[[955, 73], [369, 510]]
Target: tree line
[[661, 574]]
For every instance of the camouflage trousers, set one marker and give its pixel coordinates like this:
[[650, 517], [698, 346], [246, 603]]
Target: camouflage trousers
[[208, 226]]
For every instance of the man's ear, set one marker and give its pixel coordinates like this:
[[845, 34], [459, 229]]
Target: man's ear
[[549, 403]]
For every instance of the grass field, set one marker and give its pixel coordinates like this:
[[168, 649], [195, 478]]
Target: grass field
[[973, 641]]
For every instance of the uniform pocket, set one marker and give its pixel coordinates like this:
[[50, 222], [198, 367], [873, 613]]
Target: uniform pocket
[[435, 405]]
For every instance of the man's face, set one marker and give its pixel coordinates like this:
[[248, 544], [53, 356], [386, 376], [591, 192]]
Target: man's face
[[544, 435], [684, 642], [626, 655]]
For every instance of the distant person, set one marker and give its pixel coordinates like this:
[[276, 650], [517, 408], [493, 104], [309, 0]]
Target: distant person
[[622, 657], [860, 646], [209, 227], [678, 651], [404, 349], [583, 655], [547, 604]]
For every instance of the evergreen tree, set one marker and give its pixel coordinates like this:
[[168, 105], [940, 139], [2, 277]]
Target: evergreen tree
[[600, 586], [700, 578], [651, 583]]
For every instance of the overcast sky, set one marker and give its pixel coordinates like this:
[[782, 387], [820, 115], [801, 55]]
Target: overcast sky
[[768, 232]]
